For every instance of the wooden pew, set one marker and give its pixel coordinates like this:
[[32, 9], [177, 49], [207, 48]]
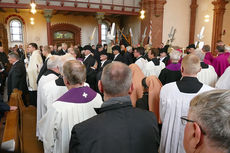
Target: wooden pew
[[29, 142], [11, 130]]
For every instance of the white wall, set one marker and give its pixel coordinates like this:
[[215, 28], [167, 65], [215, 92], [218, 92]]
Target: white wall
[[205, 7], [177, 14], [226, 25]]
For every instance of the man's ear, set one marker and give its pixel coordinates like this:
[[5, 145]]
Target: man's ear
[[197, 135], [100, 86], [131, 89], [182, 69], [66, 82]]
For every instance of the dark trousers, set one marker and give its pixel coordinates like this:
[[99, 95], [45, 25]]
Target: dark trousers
[[33, 98]]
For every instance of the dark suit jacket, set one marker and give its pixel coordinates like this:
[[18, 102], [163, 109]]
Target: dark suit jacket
[[20, 52], [17, 77], [90, 73], [118, 128], [119, 58], [61, 52]]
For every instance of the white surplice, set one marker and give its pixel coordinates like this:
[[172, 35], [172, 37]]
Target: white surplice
[[223, 81], [72, 108], [152, 69], [173, 105], [208, 76], [141, 62], [44, 80]]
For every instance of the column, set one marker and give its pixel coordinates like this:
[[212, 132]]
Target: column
[[48, 15], [193, 7], [154, 13], [99, 17], [219, 9]]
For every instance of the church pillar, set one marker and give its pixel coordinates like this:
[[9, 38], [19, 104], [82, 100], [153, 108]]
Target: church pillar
[[154, 10], [219, 9], [99, 17], [193, 7], [48, 15]]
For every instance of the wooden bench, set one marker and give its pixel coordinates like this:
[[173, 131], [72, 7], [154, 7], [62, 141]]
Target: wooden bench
[[29, 142], [11, 130]]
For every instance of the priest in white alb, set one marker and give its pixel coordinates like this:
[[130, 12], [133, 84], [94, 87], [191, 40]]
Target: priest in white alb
[[51, 73], [174, 103], [73, 107]]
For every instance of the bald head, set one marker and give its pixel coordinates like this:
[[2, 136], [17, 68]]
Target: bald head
[[190, 65], [116, 79]]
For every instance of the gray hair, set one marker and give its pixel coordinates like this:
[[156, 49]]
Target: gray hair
[[53, 62], [116, 78], [75, 72], [14, 55], [175, 55], [64, 58], [199, 53], [212, 111]]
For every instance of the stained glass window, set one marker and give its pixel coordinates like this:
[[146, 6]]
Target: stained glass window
[[63, 35], [16, 30]]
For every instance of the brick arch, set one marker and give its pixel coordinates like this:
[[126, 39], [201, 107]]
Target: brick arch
[[66, 27], [14, 15]]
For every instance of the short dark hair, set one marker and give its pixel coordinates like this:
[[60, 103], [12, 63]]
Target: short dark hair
[[34, 45], [140, 50], [220, 48], [154, 51]]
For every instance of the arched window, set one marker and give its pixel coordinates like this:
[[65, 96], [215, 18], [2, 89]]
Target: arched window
[[104, 31], [16, 30]]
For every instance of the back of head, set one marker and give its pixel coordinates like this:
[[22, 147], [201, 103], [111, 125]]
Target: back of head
[[53, 62], [63, 59], [47, 49], [211, 110], [198, 52], [206, 48], [154, 51], [14, 55], [175, 55], [116, 79], [75, 72], [220, 48], [190, 64]]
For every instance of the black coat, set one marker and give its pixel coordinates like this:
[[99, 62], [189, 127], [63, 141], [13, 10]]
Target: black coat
[[43, 70], [119, 128], [119, 58], [17, 77], [61, 52]]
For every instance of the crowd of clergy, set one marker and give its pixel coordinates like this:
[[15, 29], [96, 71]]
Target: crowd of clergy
[[116, 98]]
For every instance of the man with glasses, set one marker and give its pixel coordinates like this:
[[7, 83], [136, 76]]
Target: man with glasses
[[174, 103], [208, 123]]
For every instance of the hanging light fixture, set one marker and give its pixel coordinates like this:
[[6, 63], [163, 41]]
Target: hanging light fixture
[[33, 7], [142, 12], [32, 21]]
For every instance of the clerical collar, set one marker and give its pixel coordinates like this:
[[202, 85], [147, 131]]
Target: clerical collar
[[189, 85], [60, 81], [48, 71], [203, 65], [156, 61], [78, 95]]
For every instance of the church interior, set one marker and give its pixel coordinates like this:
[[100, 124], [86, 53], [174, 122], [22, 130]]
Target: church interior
[[177, 23]]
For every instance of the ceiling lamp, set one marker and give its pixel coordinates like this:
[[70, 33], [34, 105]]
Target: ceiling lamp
[[33, 8], [142, 12], [32, 21]]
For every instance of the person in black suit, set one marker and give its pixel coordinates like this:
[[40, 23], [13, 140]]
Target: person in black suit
[[63, 50], [17, 75], [20, 51], [91, 66], [164, 57], [5, 107], [118, 127], [117, 56]]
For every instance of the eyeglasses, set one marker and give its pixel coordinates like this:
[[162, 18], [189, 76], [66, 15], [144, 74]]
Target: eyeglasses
[[184, 120]]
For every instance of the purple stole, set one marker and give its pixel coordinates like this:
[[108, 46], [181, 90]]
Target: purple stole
[[78, 95], [220, 63], [174, 67]]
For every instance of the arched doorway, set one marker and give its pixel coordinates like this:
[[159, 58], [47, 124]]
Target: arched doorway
[[68, 33]]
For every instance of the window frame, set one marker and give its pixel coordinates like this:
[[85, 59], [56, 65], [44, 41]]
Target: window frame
[[20, 30], [104, 41]]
